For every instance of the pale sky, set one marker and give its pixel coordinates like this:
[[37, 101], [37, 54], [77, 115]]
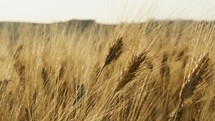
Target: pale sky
[[105, 11]]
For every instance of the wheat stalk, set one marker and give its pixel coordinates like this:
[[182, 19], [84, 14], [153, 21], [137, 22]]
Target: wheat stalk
[[130, 72], [198, 75], [114, 52], [17, 52]]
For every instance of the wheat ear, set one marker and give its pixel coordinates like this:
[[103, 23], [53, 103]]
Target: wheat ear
[[130, 72], [198, 75]]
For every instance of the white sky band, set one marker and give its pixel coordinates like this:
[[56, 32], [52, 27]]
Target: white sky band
[[105, 11]]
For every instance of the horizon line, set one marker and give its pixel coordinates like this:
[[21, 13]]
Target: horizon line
[[98, 22]]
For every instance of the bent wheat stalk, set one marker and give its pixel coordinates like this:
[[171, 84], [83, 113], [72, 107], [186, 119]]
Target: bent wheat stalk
[[198, 75], [130, 72], [114, 52]]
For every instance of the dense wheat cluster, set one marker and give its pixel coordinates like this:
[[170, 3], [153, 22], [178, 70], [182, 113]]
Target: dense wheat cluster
[[155, 71]]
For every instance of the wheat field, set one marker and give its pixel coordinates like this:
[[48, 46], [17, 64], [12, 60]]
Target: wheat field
[[155, 71]]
